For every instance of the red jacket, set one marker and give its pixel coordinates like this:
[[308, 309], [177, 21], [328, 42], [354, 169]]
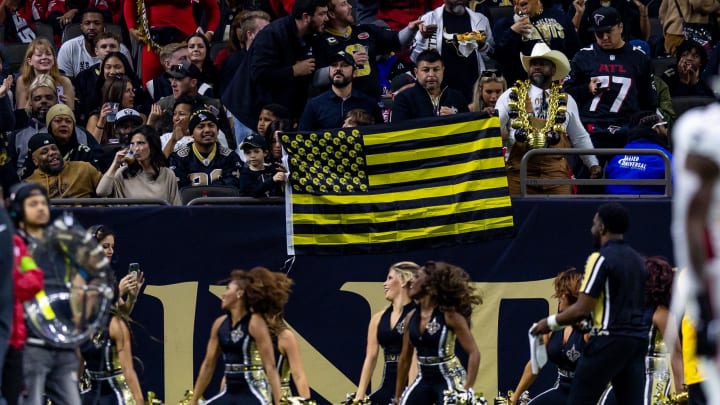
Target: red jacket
[[28, 281]]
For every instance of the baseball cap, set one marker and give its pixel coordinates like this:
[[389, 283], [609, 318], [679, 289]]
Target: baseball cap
[[401, 80], [344, 56], [255, 141], [39, 140], [128, 114], [185, 69], [604, 18]]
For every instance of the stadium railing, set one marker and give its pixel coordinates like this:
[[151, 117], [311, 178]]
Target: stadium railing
[[85, 202], [666, 181]]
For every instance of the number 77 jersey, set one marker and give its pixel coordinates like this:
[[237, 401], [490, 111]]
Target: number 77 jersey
[[627, 75]]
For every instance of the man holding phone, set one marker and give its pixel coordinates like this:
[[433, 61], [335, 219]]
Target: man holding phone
[[611, 80]]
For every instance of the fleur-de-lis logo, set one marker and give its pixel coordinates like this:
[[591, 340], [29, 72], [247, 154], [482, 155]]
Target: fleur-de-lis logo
[[236, 335], [400, 328], [573, 354], [433, 327]]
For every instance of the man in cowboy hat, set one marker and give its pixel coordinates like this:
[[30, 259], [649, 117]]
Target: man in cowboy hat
[[611, 81], [537, 114]]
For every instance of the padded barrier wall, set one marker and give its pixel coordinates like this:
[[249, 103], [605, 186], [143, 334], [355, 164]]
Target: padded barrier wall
[[186, 252]]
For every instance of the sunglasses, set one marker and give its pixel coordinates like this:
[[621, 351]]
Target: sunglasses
[[491, 73]]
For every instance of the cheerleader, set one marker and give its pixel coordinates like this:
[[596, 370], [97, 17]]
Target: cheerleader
[[244, 340], [386, 329], [273, 290], [445, 299]]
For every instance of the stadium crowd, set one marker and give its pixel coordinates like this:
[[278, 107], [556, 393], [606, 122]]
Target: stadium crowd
[[209, 78]]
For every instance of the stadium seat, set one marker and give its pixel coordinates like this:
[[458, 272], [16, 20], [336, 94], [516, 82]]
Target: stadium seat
[[498, 13], [660, 65], [14, 56], [682, 104], [44, 31], [190, 193]]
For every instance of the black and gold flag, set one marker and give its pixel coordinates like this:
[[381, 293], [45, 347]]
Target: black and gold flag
[[380, 189]]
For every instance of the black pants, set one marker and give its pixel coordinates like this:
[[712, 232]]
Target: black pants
[[696, 394], [12, 376], [605, 359]]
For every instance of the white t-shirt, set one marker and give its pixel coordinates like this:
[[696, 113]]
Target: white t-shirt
[[73, 58]]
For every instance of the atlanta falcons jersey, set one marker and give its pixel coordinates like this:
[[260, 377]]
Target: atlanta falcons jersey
[[627, 74]]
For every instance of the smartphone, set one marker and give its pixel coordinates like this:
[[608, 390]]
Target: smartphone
[[133, 268], [60, 93]]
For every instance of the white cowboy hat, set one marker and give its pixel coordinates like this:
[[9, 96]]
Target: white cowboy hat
[[542, 51]]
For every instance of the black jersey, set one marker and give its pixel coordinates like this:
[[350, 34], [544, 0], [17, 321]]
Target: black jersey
[[565, 355], [376, 40], [389, 336], [437, 340], [628, 73], [222, 170], [615, 276], [102, 365]]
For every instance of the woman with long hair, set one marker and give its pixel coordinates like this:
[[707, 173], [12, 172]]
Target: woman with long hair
[[129, 285], [386, 329], [270, 292], [564, 348], [445, 300], [145, 174], [488, 88], [243, 338], [41, 58], [199, 55], [118, 93]]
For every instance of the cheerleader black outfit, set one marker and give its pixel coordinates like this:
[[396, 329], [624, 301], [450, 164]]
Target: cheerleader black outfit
[[102, 367], [245, 379], [439, 369], [565, 357], [390, 337]]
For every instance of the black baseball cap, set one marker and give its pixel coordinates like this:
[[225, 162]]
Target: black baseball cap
[[39, 140], [344, 56], [604, 18], [255, 141], [185, 69]]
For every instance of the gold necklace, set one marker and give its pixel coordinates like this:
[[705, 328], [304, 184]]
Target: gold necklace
[[550, 133]]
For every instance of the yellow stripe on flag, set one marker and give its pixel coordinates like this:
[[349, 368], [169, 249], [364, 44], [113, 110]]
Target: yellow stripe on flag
[[415, 134], [433, 152], [404, 235], [397, 196], [400, 214], [435, 172]]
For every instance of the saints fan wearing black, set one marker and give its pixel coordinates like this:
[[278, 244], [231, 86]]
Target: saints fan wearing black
[[610, 80], [205, 161]]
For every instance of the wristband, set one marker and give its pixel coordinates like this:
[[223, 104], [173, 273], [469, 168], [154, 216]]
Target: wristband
[[553, 323]]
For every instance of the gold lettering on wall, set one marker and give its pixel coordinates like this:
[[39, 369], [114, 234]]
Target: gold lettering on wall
[[324, 377], [179, 302]]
